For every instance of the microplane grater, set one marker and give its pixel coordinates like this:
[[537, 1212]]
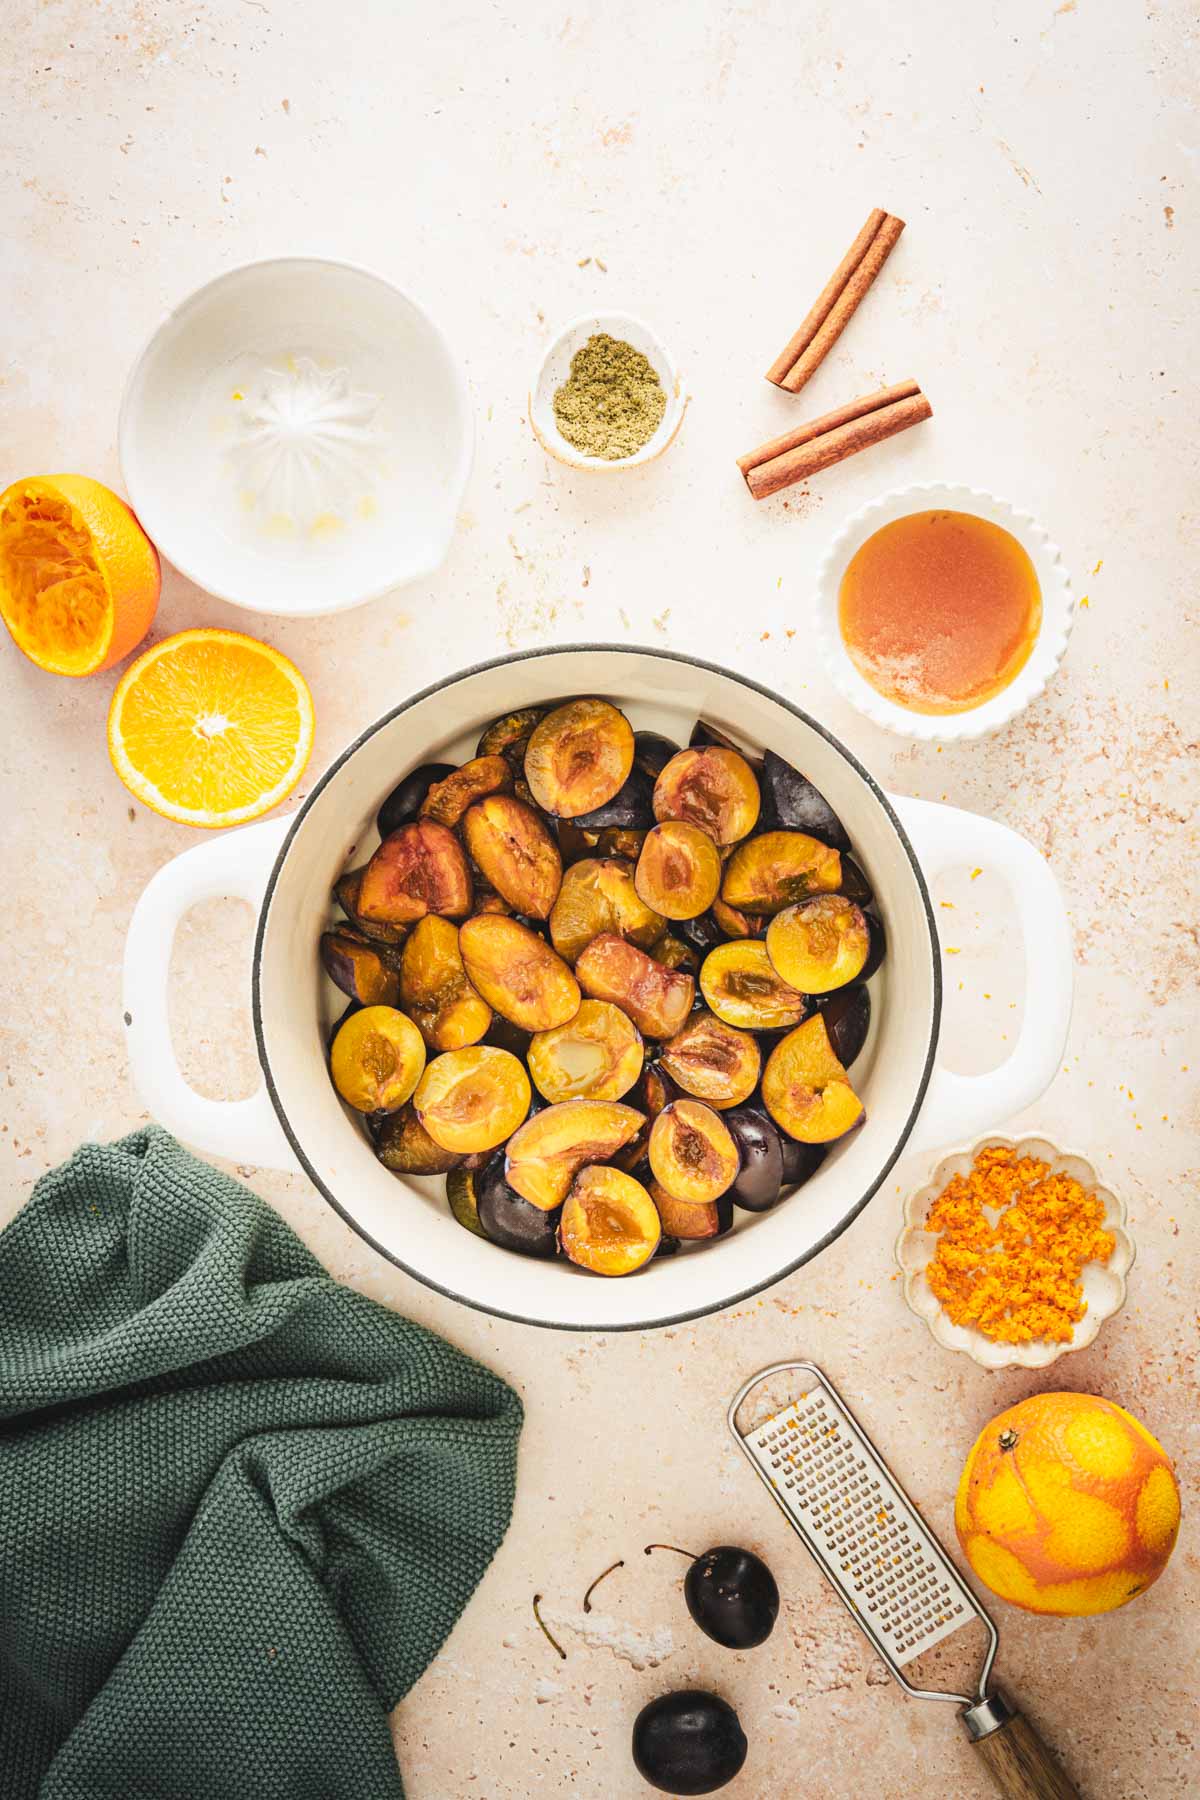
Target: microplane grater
[[883, 1562]]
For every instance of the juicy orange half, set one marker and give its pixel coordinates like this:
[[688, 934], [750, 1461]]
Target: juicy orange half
[[79, 578], [211, 728]]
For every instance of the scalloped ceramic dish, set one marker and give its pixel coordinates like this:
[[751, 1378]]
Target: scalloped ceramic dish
[[1104, 1284], [1050, 646]]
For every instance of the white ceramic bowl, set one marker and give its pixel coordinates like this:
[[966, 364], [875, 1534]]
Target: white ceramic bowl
[[1104, 1284], [1058, 613], [257, 350], [287, 867], [556, 366]]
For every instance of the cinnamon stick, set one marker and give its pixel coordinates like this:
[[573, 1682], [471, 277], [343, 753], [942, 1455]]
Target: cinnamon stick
[[837, 303], [833, 437]]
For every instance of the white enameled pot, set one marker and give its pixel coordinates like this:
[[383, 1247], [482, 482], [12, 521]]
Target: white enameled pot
[[287, 867]]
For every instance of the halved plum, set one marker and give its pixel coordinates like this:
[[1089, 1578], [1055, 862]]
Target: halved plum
[[759, 1183], [597, 1055], [713, 1061], [599, 895], [472, 1099], [805, 1088], [417, 870], [712, 788], [656, 998], [359, 969], [403, 1145], [692, 1152], [434, 988], [736, 924], [376, 1059], [609, 1223], [679, 870], [507, 1219], [448, 799], [820, 944], [515, 853], [517, 972], [509, 734], [618, 840], [404, 802], [778, 868], [792, 803], [346, 890], [847, 1016], [685, 1220], [744, 989], [673, 953], [549, 1150], [578, 757]]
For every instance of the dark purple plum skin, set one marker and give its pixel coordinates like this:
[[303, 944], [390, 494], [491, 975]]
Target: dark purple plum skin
[[702, 932], [847, 1015], [652, 752], [877, 949], [688, 1742], [855, 885], [703, 735], [407, 797], [792, 803], [508, 1219], [631, 807], [800, 1161], [759, 1184]]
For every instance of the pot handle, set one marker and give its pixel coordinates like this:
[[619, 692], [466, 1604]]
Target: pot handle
[[235, 865], [960, 1107]]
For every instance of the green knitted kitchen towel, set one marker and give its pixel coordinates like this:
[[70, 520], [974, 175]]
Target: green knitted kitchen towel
[[241, 1506]]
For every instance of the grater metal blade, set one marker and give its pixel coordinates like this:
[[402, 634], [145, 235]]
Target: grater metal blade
[[867, 1537]]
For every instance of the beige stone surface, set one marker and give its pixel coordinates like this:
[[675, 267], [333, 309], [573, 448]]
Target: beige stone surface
[[711, 160]]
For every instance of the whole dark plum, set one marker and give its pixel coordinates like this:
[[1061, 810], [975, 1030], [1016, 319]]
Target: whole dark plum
[[688, 1742], [732, 1596]]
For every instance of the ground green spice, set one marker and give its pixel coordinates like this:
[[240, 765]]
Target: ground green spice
[[612, 402]]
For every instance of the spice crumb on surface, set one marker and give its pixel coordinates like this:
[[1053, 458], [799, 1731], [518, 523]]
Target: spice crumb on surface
[[1018, 1279]]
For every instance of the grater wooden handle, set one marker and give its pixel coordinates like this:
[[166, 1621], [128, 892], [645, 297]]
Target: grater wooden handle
[[1021, 1766]]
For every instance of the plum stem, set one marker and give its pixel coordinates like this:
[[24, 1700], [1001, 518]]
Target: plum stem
[[674, 1547], [587, 1598], [546, 1631]]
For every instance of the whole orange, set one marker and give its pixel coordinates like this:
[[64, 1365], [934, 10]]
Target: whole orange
[[1067, 1505]]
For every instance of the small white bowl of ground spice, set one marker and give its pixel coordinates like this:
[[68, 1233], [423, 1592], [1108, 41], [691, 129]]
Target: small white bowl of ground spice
[[607, 395]]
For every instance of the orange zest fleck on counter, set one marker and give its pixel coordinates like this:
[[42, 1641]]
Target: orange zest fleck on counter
[[1017, 1279]]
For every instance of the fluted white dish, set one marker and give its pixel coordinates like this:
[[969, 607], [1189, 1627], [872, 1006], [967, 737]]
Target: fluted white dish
[[1104, 1284], [1058, 613]]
